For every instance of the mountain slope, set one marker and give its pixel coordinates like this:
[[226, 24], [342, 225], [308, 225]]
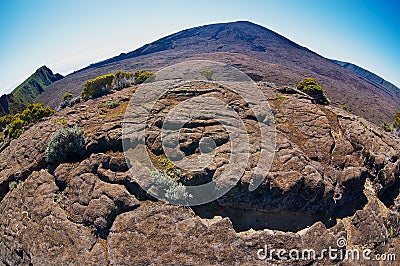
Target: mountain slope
[[368, 75], [261, 53], [28, 90]]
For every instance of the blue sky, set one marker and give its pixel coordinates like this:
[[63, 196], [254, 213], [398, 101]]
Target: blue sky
[[69, 35]]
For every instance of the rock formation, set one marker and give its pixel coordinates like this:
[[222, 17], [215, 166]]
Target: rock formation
[[335, 175]]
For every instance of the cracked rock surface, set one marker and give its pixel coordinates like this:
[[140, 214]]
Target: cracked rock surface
[[334, 174]]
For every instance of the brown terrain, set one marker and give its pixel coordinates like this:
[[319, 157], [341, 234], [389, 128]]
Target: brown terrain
[[260, 53], [334, 175]]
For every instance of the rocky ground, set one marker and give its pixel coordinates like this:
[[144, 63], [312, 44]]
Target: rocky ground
[[334, 175]]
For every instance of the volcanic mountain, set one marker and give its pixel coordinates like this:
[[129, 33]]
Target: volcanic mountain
[[261, 53], [72, 190]]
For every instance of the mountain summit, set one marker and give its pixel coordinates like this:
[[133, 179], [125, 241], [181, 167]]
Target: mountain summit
[[261, 53], [87, 185]]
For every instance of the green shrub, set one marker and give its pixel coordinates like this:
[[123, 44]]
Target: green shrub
[[14, 129], [98, 86], [387, 127], [5, 120], [365, 125], [122, 80], [172, 189], [344, 107], [396, 120], [111, 104], [143, 75], [61, 121], [14, 184], [207, 73], [32, 114], [67, 96], [66, 145], [107, 106], [281, 96], [312, 88]]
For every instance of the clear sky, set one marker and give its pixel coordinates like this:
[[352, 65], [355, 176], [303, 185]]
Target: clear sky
[[71, 34]]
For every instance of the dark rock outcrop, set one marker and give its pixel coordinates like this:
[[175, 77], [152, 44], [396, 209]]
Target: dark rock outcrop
[[331, 168]]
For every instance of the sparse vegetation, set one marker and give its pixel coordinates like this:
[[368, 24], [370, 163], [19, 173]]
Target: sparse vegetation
[[312, 88], [32, 114], [66, 145], [387, 127], [344, 107], [207, 73], [108, 105], [396, 120], [14, 184], [169, 169], [67, 96], [364, 124], [5, 120], [98, 86], [111, 104], [281, 96], [122, 80], [269, 84], [143, 75], [172, 189], [281, 120], [68, 102], [61, 121], [390, 232]]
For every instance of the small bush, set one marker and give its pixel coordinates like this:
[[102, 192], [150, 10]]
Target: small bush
[[32, 114], [68, 102], [143, 75], [98, 86], [281, 96], [169, 169], [387, 127], [61, 121], [269, 84], [111, 104], [5, 120], [396, 120], [14, 184], [365, 125], [312, 88], [281, 120], [67, 96], [66, 145], [173, 190], [107, 106], [344, 107], [122, 80], [207, 73]]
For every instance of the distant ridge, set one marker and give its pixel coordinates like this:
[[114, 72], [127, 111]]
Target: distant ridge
[[28, 91], [368, 75], [261, 53]]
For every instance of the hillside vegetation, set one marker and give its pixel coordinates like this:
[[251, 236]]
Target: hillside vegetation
[[27, 92]]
